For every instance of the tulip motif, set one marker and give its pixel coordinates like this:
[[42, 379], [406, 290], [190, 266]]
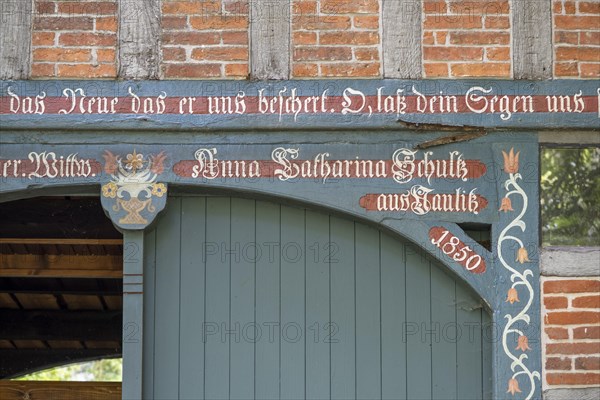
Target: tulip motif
[[522, 255], [512, 296], [511, 161], [523, 343], [513, 386], [506, 205]]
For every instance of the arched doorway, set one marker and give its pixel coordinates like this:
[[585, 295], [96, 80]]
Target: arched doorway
[[253, 299]]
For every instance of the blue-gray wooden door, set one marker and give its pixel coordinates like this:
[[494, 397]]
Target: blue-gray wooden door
[[249, 299]]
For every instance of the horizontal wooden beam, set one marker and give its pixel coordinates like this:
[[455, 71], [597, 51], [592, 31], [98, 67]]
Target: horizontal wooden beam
[[61, 325], [16, 362], [59, 241], [83, 287], [61, 266], [19, 390]]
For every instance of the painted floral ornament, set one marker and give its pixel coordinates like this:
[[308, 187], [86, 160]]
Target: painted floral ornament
[[133, 196], [506, 205], [522, 255], [523, 343], [513, 386], [511, 161], [512, 296]]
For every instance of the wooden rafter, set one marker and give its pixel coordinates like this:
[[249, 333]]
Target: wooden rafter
[[61, 266], [59, 241]]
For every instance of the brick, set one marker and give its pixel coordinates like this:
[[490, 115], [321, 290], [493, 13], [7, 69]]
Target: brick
[[589, 7], [366, 21], [436, 70], [566, 37], [106, 55], [557, 7], [498, 54], [106, 24], [42, 38], [300, 38], [590, 70], [42, 70], [554, 302], [62, 55], [572, 286], [221, 53], [349, 38], [428, 38], [173, 54], [453, 53], [240, 37], [321, 23], [558, 363], [193, 38], [479, 38], [569, 7], [572, 379], [305, 70], [579, 53], [589, 37], [441, 37], [191, 7], [586, 302], [566, 69], [557, 333], [496, 22], [87, 39], [587, 363], [192, 70], [575, 22], [366, 54], [573, 348], [219, 22], [572, 318], [480, 7], [63, 23], [480, 70], [236, 70], [434, 7], [87, 71], [468, 21], [304, 7], [45, 7], [236, 6], [586, 332], [322, 53], [349, 7], [174, 22], [88, 8], [350, 70]]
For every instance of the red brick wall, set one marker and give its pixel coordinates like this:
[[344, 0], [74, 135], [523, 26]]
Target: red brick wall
[[577, 39], [571, 323], [466, 38], [74, 39], [335, 38], [204, 39]]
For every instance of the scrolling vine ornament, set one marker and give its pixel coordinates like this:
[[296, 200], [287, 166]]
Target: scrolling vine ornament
[[520, 280], [133, 196]]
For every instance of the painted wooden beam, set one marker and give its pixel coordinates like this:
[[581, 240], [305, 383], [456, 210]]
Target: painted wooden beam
[[532, 39], [60, 325], [19, 390], [139, 38], [60, 266], [570, 261], [402, 52], [270, 39], [15, 39]]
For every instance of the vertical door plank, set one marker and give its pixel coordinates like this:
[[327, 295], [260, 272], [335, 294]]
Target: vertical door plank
[[368, 313], [342, 335], [166, 365], [149, 325], [487, 342], [393, 318], [317, 307], [469, 373], [193, 228], [217, 314], [443, 347], [418, 317], [293, 327], [267, 300]]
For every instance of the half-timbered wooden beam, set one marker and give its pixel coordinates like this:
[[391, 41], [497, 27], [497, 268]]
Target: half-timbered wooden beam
[[19, 390], [61, 266], [270, 39], [401, 25], [15, 39], [532, 39]]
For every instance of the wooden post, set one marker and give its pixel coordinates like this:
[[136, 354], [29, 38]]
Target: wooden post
[[133, 311], [532, 39], [402, 51], [270, 39], [15, 39]]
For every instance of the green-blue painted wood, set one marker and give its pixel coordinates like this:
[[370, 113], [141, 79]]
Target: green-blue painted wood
[[267, 300], [418, 325], [469, 374], [293, 279], [166, 339], [191, 298], [317, 307], [487, 343], [368, 313], [217, 299], [444, 336], [149, 305], [343, 323], [393, 319]]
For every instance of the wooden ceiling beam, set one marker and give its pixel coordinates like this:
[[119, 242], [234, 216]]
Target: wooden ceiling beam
[[61, 266], [59, 241]]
